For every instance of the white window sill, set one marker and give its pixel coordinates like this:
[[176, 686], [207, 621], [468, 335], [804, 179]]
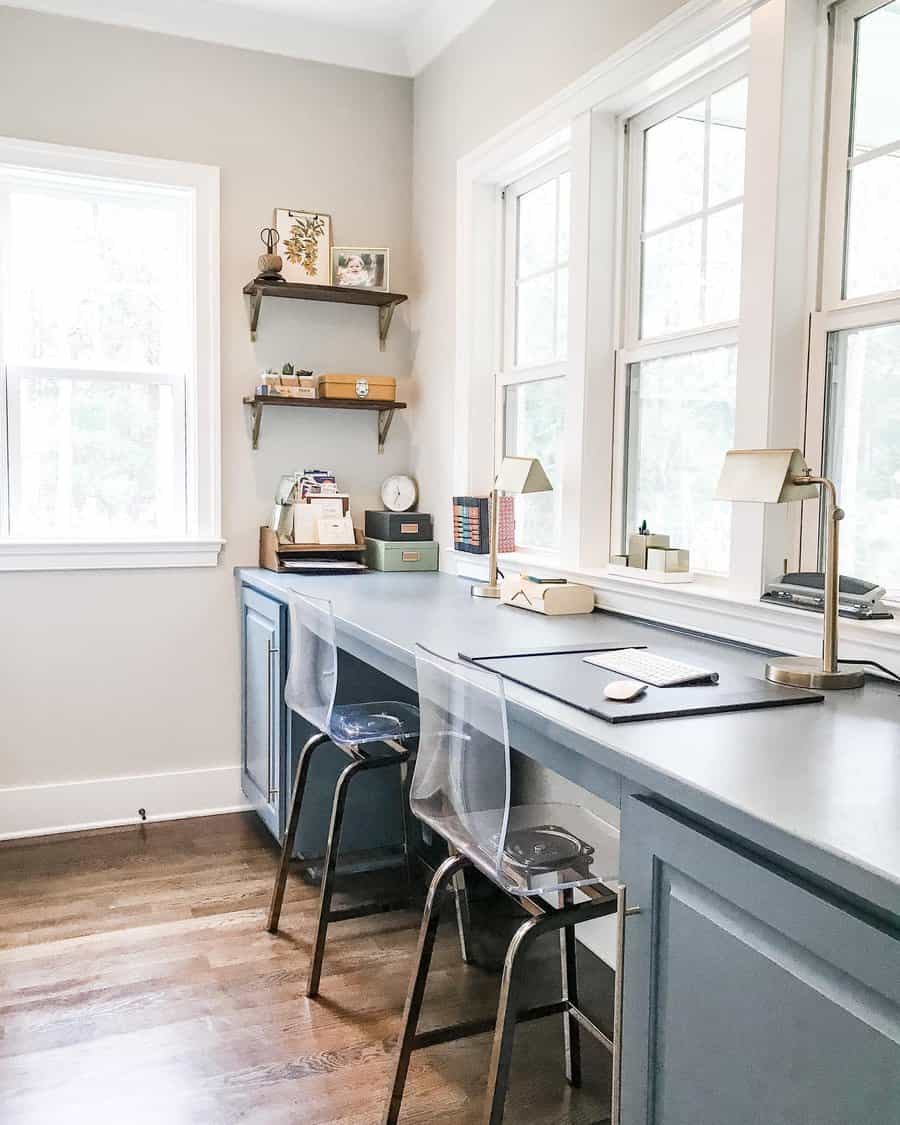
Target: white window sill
[[708, 606], [55, 554]]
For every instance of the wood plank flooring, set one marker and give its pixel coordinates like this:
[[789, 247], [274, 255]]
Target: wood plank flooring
[[138, 986]]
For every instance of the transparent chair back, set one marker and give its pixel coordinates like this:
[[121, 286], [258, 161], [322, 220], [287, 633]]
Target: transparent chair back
[[312, 666], [463, 788]]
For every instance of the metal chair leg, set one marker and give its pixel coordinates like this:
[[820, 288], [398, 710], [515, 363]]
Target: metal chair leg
[[290, 831], [463, 918], [331, 856], [404, 813], [505, 1027], [571, 1028], [416, 994]]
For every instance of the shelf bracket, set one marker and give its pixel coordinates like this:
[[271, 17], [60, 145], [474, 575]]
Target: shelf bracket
[[254, 307], [385, 316], [385, 417], [255, 419]]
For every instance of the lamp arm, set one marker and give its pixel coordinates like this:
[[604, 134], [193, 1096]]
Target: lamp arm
[[834, 515]]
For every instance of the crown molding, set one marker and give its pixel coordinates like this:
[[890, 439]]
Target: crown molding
[[402, 51]]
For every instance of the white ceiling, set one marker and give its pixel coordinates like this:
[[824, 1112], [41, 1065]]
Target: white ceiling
[[392, 36]]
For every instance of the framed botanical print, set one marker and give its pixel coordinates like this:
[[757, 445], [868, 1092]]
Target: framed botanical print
[[305, 245]]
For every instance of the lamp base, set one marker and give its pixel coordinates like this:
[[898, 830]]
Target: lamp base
[[807, 672], [485, 591]]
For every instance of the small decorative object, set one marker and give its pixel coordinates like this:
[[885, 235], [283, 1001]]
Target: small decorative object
[[269, 264], [670, 560], [639, 542], [553, 598], [306, 245], [399, 493], [355, 267]]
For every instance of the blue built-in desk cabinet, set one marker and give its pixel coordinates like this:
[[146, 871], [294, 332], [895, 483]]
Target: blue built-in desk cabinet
[[762, 973]]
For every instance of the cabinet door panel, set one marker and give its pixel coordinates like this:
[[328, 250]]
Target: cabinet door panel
[[749, 999], [262, 704]]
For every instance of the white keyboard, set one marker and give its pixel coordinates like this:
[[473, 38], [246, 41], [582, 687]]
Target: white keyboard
[[658, 671]]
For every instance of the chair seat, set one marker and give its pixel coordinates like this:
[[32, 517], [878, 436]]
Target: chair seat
[[355, 724], [548, 847]]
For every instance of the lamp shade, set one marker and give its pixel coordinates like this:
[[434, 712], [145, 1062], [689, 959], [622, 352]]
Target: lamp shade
[[764, 476], [522, 474]]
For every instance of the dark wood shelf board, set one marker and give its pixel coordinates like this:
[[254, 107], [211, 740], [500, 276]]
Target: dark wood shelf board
[[385, 411], [322, 403], [338, 294], [384, 303]]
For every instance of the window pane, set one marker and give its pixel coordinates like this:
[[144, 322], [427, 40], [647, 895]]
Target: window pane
[[562, 314], [101, 277], [565, 214], [535, 319], [680, 424], [537, 229], [863, 450], [535, 417], [873, 227], [96, 459], [728, 126], [673, 167], [672, 280], [722, 288], [876, 98]]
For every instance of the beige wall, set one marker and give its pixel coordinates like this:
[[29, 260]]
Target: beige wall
[[107, 674], [509, 62]]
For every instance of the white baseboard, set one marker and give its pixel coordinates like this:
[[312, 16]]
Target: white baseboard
[[38, 810]]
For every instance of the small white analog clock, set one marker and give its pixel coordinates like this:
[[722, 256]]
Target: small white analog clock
[[399, 493]]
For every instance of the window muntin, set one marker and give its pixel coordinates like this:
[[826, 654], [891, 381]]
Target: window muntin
[[99, 346], [872, 242], [691, 216], [680, 423], [862, 453]]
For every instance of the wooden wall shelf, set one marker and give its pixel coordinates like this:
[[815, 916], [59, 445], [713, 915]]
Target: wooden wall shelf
[[385, 410], [385, 303]]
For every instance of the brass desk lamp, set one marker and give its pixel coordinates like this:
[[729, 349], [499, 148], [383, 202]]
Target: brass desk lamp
[[777, 476], [517, 476]]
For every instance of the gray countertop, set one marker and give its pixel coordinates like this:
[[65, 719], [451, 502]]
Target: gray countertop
[[817, 786]]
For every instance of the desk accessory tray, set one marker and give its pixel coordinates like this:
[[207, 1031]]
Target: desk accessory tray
[[562, 674], [274, 554]]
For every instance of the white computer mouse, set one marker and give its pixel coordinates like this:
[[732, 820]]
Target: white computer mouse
[[623, 691]]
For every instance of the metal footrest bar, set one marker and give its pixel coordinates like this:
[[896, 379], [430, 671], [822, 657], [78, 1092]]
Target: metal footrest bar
[[591, 1028], [367, 909], [468, 1028]]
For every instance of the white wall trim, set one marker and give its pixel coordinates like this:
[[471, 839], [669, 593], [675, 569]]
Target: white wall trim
[[70, 806], [57, 555]]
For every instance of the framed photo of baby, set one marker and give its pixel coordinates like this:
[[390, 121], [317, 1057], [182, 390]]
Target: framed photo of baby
[[357, 267]]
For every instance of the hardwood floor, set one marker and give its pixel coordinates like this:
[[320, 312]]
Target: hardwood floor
[[138, 985]]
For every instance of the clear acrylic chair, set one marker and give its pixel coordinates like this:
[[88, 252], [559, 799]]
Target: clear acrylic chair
[[310, 691], [461, 788]]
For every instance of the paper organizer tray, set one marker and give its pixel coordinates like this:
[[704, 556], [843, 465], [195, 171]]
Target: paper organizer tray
[[272, 551]]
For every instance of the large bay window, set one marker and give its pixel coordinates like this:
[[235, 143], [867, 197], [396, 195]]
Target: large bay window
[[109, 349]]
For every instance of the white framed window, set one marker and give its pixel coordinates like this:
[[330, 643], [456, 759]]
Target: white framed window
[[676, 368], [530, 407], [109, 346], [854, 398]]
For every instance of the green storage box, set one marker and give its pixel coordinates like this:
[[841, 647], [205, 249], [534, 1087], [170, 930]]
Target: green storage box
[[418, 554]]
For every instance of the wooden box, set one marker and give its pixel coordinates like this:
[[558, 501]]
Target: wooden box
[[273, 553], [374, 388]]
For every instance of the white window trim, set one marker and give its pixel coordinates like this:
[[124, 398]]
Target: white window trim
[[203, 421]]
